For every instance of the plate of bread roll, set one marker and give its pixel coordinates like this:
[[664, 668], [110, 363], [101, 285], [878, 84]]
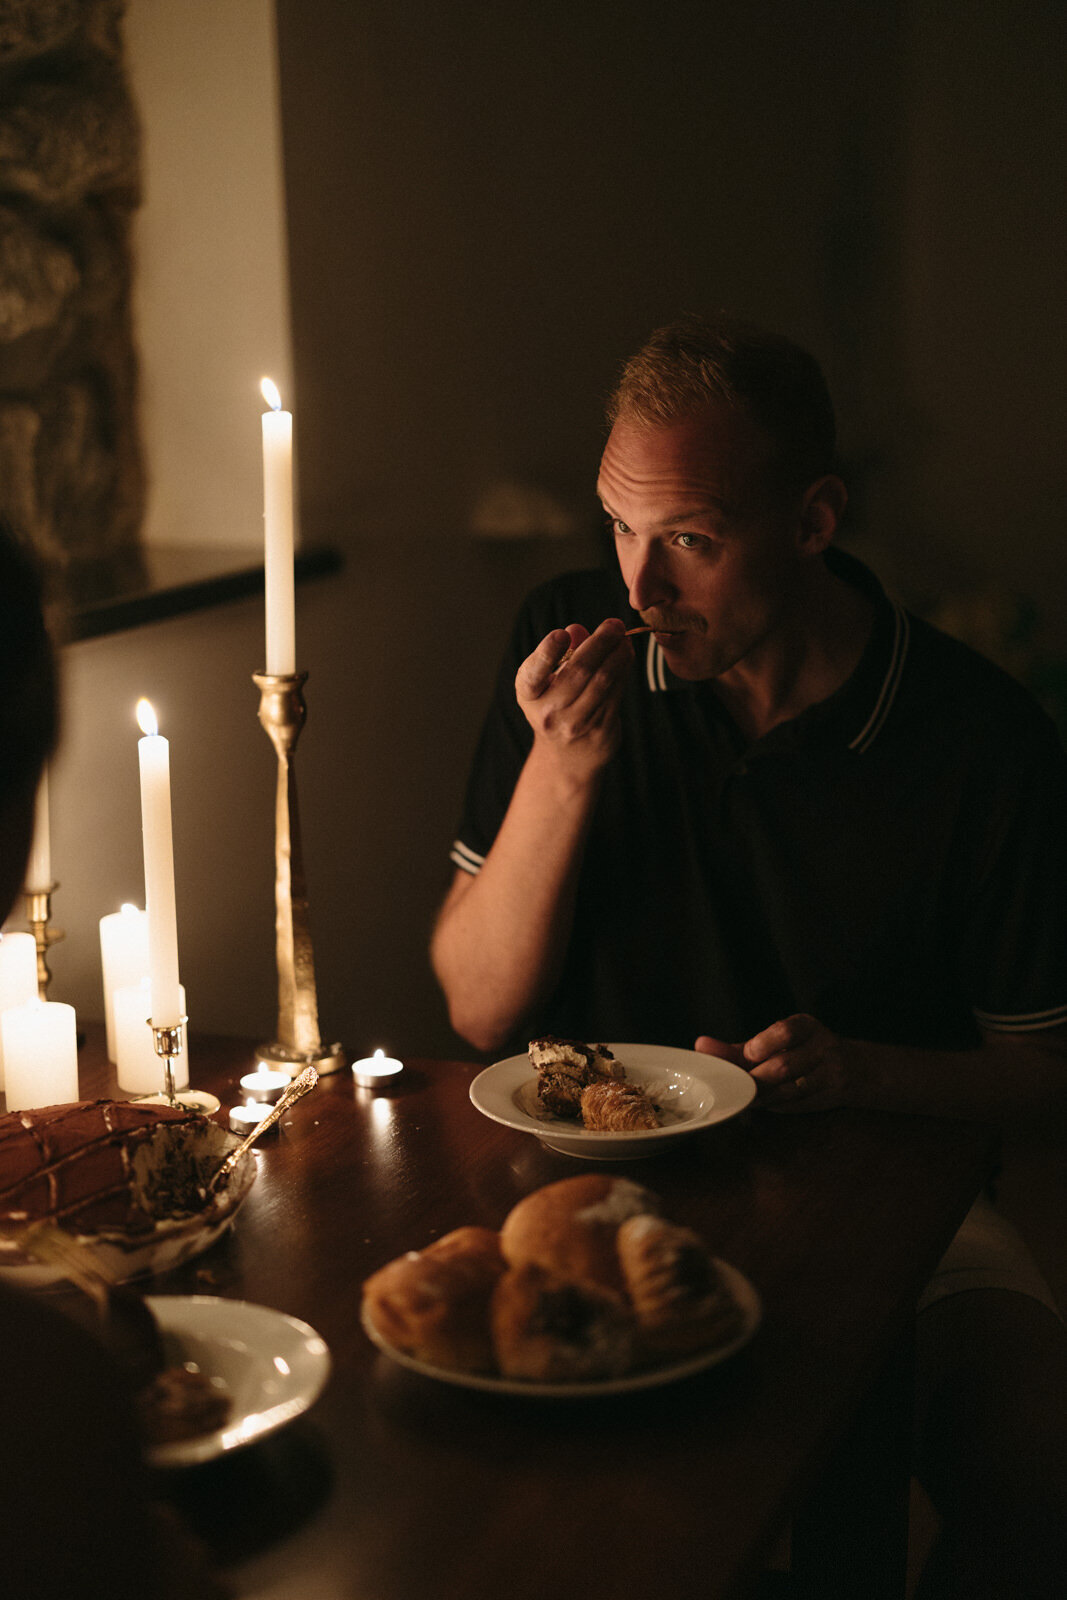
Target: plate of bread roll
[[587, 1289], [610, 1102]]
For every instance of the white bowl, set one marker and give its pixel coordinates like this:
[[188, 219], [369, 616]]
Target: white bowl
[[693, 1091]]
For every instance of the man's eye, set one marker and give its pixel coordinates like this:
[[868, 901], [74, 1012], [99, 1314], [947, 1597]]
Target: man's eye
[[691, 541], [618, 526]]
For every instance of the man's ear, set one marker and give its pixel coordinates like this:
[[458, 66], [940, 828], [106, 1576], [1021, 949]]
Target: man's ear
[[821, 512]]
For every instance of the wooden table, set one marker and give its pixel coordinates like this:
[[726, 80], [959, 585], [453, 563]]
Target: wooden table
[[398, 1488]]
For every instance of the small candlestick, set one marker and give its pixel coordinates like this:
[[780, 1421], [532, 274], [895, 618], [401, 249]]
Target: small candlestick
[[378, 1071], [39, 917], [264, 1085], [245, 1117]]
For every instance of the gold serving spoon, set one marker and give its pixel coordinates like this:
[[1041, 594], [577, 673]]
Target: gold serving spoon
[[296, 1091]]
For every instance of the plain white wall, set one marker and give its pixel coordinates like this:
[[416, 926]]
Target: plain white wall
[[211, 298]]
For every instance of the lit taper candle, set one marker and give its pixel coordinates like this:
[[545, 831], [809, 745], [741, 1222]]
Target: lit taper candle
[[278, 534], [39, 866], [154, 756]]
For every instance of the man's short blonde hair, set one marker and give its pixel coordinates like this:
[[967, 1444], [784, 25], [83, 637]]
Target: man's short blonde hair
[[695, 362]]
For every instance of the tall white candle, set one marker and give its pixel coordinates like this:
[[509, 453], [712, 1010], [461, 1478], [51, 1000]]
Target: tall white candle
[[140, 1069], [278, 533], [39, 866], [153, 753], [40, 1055], [123, 960], [18, 976]]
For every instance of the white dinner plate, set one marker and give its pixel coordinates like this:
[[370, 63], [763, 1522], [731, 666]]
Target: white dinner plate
[[273, 1367], [643, 1378], [692, 1090]]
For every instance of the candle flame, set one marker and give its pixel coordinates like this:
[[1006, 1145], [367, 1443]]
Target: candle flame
[[269, 390], [379, 1055], [146, 717], [128, 909]]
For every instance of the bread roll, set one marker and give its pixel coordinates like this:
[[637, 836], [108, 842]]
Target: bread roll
[[433, 1304], [569, 1227], [548, 1330], [677, 1292]]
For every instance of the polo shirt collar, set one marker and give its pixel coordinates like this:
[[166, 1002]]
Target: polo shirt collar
[[855, 714]]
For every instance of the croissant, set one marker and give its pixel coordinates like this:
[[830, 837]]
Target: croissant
[[617, 1107]]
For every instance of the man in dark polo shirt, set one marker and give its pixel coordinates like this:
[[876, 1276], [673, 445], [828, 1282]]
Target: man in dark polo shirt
[[791, 825]]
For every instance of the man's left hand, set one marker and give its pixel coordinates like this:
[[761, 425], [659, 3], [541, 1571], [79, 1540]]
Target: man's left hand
[[797, 1064]]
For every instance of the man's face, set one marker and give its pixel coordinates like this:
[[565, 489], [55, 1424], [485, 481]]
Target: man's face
[[703, 543]]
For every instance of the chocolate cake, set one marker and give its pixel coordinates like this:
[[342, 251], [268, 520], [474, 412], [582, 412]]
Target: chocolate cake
[[98, 1166], [567, 1066]]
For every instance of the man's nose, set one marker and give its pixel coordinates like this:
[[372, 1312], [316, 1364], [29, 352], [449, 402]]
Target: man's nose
[[649, 583]]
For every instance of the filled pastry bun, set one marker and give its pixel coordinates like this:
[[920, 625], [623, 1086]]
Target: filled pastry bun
[[569, 1228], [679, 1298], [433, 1304], [549, 1330]]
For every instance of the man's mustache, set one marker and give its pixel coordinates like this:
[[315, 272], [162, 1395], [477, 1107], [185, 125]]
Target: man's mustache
[[663, 620]]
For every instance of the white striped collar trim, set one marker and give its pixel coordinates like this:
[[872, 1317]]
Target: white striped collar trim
[[655, 666], [656, 676], [890, 683], [1023, 1022], [465, 857]]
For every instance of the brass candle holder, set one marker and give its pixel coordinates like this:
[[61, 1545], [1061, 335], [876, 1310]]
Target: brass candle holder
[[169, 1043], [282, 714], [39, 917]]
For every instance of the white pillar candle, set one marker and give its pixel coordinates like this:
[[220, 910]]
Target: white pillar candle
[[279, 582], [140, 1069], [40, 1055], [154, 756], [123, 959], [18, 976], [39, 866]]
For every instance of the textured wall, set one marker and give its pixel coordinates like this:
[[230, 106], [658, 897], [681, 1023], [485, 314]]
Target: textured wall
[[71, 478]]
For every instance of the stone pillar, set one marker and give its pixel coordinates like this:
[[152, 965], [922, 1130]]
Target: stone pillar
[[71, 473]]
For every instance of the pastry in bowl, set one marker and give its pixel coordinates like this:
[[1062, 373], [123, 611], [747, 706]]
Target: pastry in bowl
[[131, 1179], [585, 1284]]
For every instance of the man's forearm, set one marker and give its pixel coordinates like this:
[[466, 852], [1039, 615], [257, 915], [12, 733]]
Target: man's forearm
[[501, 935], [1008, 1076]]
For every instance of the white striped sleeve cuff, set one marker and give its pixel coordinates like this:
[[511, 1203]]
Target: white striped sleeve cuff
[[1023, 1022], [465, 858]]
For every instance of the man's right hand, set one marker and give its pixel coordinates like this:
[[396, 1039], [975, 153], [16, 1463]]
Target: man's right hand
[[572, 705]]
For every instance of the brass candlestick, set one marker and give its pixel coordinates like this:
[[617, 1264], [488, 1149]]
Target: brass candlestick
[[39, 917], [282, 714], [169, 1043]]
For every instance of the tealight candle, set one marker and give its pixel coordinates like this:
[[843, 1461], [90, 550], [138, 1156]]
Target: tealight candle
[[40, 1055], [376, 1071], [123, 960], [265, 1085], [18, 976], [248, 1116]]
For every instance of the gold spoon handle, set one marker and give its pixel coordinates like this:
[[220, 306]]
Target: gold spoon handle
[[296, 1091]]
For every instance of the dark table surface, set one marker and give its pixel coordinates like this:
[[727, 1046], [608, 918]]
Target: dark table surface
[[395, 1487]]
